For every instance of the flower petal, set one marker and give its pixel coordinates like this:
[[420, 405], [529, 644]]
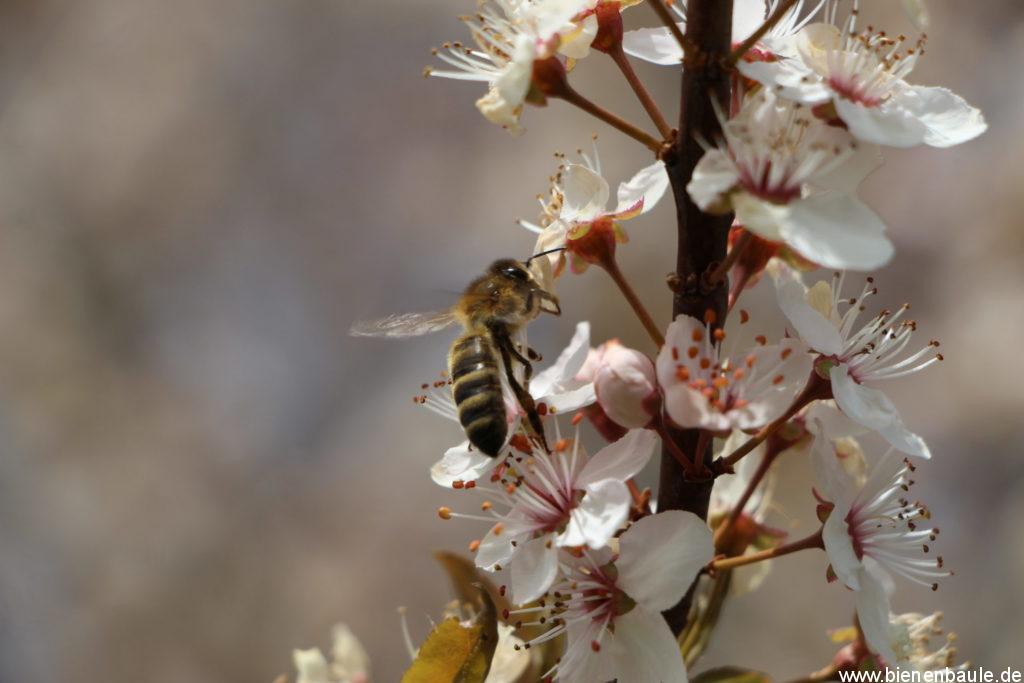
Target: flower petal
[[689, 408], [620, 460], [498, 546], [648, 184], [873, 616], [714, 176], [645, 650], [310, 666], [534, 568], [593, 522], [839, 547], [814, 328], [831, 480], [887, 124], [789, 78], [586, 193], [948, 118], [873, 409], [462, 463], [847, 176], [654, 45], [660, 555], [836, 230], [561, 374]]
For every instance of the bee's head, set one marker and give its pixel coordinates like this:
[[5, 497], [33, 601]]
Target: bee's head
[[517, 276]]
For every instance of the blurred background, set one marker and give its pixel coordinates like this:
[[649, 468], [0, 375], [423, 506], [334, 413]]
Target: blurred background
[[200, 470]]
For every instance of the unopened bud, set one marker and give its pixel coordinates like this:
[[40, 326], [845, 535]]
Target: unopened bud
[[626, 385]]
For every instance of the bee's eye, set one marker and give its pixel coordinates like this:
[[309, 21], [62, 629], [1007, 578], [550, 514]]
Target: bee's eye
[[515, 273]]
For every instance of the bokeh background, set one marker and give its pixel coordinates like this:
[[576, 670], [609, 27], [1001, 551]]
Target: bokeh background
[[200, 470]]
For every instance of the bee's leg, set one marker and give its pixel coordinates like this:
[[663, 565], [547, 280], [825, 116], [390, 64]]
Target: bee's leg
[[533, 355], [522, 395], [514, 352]]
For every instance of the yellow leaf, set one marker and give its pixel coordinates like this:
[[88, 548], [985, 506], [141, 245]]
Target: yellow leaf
[[453, 653]]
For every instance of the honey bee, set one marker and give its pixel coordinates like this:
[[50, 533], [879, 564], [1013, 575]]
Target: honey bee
[[491, 310]]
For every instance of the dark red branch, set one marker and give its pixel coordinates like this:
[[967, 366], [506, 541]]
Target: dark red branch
[[702, 238]]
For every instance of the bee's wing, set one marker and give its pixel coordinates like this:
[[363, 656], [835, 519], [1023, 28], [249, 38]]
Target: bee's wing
[[404, 324]]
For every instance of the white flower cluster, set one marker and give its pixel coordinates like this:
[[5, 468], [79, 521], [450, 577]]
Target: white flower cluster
[[571, 539]]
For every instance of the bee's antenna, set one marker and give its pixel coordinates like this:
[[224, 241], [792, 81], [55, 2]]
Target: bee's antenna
[[544, 253]]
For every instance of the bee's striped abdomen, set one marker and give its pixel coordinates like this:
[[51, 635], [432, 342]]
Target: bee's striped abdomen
[[476, 387]]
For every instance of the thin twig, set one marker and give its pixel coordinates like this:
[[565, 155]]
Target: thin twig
[[650, 106], [816, 388], [720, 271], [612, 268], [661, 9], [744, 47], [812, 541], [722, 533], [620, 124]]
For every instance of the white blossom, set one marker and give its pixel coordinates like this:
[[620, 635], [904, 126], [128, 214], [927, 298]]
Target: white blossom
[[349, 661], [509, 37], [791, 178], [862, 75], [578, 203], [561, 499], [856, 358], [609, 605], [703, 390], [873, 532]]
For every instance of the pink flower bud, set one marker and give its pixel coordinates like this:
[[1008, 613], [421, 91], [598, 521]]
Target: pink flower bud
[[625, 384]]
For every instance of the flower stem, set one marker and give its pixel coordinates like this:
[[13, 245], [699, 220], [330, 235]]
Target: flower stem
[[744, 47], [812, 541], [574, 98], [650, 106], [612, 268], [723, 532], [816, 388], [661, 9], [722, 269]]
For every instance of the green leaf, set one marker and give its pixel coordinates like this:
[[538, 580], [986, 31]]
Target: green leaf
[[731, 674]]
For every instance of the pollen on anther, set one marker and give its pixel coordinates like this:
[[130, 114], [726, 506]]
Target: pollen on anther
[[744, 317], [474, 545], [444, 512], [486, 505], [683, 373], [719, 334], [577, 418], [710, 317], [697, 335], [778, 379], [498, 529], [595, 646], [761, 339]]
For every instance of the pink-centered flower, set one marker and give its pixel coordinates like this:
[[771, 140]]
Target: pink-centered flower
[[855, 358], [515, 48], [703, 390], [609, 605], [546, 501], [873, 532], [791, 178], [555, 390], [861, 74]]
